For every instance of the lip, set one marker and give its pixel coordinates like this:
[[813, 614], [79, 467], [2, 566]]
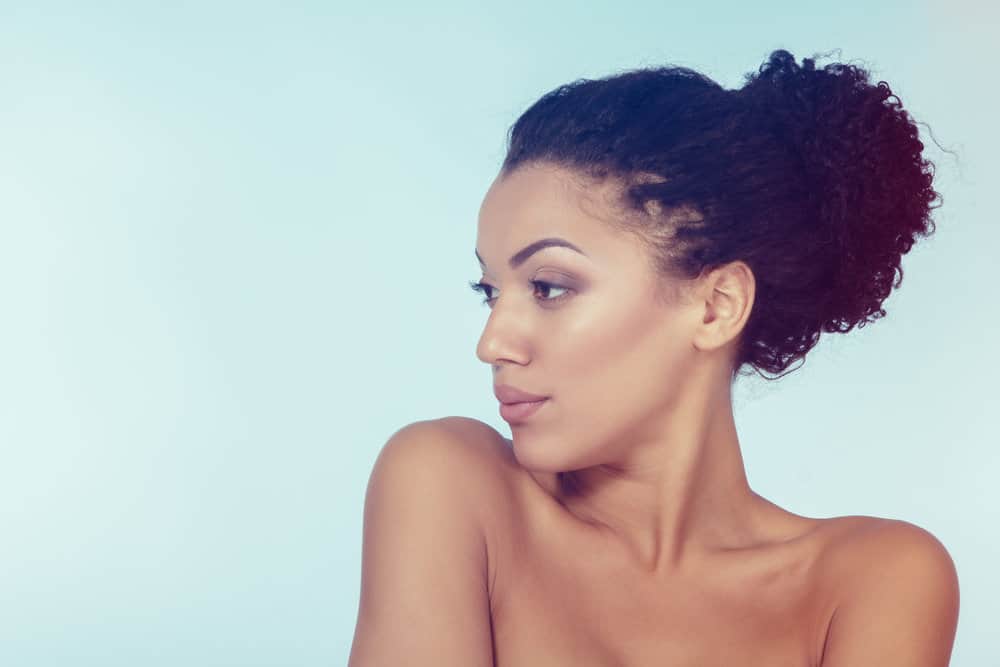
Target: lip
[[516, 412], [507, 395]]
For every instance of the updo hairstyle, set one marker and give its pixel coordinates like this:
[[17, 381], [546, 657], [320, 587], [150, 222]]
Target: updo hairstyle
[[812, 177]]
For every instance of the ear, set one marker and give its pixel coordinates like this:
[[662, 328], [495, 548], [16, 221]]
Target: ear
[[727, 293]]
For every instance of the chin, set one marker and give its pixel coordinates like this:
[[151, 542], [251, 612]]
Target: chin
[[537, 456]]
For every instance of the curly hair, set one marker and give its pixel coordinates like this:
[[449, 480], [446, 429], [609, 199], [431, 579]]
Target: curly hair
[[812, 177]]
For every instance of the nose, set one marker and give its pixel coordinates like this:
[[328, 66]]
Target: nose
[[502, 338]]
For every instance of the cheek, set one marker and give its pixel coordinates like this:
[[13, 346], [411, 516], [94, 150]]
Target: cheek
[[615, 349], [614, 373]]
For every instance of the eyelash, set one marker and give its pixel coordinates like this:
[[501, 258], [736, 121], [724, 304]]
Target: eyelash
[[482, 287]]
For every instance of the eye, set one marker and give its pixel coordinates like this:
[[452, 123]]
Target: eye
[[486, 288]]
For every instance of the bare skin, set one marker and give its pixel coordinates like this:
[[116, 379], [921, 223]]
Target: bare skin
[[565, 594], [654, 549], [640, 403]]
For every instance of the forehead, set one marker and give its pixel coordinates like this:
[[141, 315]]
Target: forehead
[[542, 200], [535, 189]]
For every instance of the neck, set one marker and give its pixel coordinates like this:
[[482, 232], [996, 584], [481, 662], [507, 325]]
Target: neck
[[681, 488]]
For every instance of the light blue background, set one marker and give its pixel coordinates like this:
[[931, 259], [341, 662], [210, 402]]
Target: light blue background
[[235, 241]]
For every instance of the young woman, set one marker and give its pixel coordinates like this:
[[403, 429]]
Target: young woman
[[651, 237]]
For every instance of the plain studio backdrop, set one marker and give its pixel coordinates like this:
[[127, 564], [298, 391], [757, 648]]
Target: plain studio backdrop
[[235, 246]]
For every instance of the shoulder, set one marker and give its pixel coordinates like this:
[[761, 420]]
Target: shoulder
[[867, 546], [425, 559], [450, 442], [895, 592], [460, 457]]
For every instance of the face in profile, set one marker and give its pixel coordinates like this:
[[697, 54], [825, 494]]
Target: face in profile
[[585, 329]]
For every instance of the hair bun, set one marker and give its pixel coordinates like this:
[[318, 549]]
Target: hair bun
[[859, 156], [811, 176]]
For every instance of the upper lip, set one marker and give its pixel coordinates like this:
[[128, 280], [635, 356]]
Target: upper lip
[[507, 394]]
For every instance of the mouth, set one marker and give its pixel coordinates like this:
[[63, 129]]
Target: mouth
[[517, 412]]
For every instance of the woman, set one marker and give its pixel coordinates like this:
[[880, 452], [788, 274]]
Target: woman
[[651, 237]]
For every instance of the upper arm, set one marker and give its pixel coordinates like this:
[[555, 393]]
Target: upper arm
[[900, 601], [424, 593]]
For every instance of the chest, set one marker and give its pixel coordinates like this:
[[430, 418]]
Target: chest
[[560, 604]]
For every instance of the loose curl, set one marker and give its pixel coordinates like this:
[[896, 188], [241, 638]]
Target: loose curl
[[812, 177]]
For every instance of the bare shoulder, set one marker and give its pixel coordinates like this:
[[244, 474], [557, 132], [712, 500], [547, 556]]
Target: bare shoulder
[[458, 447], [441, 462], [860, 544], [462, 436], [471, 442], [466, 455], [426, 581], [895, 591], [480, 436]]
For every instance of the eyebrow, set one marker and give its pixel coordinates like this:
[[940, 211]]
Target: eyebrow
[[522, 255]]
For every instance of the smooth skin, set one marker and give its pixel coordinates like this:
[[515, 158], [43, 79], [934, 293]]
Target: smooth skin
[[654, 550]]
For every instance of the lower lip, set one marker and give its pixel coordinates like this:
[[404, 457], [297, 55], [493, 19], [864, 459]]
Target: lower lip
[[519, 411]]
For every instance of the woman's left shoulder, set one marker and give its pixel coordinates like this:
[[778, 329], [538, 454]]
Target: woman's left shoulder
[[861, 538], [864, 553], [891, 591]]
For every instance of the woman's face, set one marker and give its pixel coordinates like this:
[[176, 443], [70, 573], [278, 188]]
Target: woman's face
[[594, 338]]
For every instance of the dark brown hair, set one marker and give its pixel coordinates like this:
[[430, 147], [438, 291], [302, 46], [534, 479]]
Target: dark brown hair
[[813, 177]]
